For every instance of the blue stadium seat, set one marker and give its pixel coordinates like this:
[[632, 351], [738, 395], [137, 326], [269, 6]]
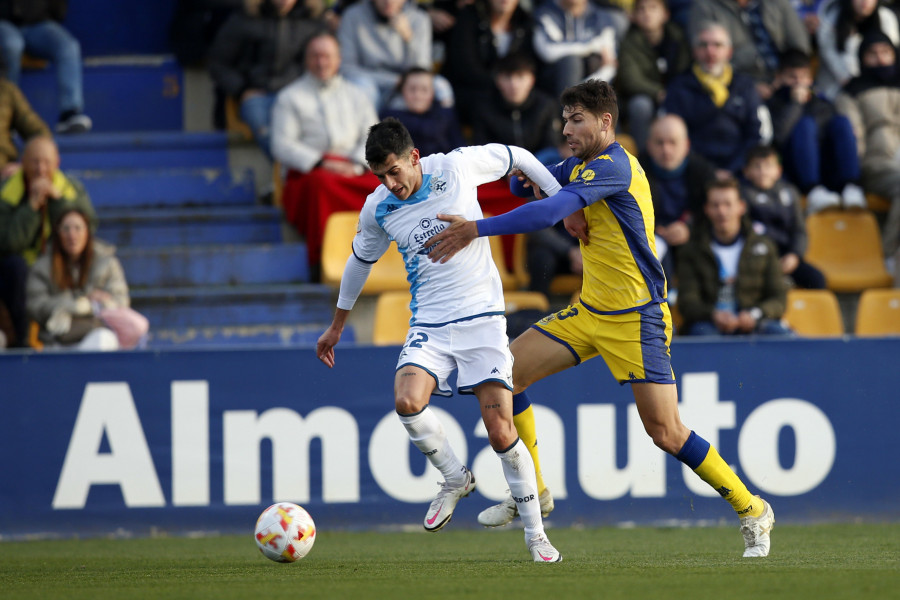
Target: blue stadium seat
[[166, 187]]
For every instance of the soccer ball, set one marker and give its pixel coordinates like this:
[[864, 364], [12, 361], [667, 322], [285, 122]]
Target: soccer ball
[[285, 532]]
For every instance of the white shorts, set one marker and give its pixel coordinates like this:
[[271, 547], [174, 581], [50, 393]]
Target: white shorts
[[478, 348]]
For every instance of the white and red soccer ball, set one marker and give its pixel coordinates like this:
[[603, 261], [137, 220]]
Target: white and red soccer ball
[[285, 532]]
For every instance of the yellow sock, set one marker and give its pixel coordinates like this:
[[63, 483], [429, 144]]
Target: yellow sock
[[524, 422], [716, 472]]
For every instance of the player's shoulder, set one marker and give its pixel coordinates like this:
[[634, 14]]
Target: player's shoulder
[[613, 160]]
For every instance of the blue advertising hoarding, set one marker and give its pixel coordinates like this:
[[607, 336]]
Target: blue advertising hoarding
[[182, 441]]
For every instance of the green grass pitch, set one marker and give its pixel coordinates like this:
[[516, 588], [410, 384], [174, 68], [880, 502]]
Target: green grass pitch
[[815, 562]]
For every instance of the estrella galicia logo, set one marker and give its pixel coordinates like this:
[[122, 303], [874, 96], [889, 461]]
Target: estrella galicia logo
[[425, 223], [424, 232]]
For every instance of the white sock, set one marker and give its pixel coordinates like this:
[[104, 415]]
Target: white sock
[[518, 467], [427, 434]]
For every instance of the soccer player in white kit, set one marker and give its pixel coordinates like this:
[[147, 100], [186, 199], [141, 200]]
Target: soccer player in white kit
[[457, 309]]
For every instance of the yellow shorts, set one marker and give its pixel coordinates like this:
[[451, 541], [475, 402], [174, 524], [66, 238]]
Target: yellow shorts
[[634, 344]]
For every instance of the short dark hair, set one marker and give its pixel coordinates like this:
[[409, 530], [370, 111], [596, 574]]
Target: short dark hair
[[595, 96], [794, 59], [759, 152], [514, 62], [729, 183], [388, 137]]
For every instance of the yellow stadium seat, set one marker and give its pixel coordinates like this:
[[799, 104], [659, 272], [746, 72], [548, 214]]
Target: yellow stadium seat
[[814, 313], [878, 313], [392, 313], [877, 203], [392, 317], [627, 142], [563, 285], [846, 246], [507, 278], [388, 274]]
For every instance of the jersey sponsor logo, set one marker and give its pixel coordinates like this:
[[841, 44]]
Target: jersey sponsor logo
[[587, 175], [426, 229]]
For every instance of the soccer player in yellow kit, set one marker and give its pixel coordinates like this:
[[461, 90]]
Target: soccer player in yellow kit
[[622, 315]]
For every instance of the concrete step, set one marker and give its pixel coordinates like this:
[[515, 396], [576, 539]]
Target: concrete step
[[244, 336], [182, 227], [135, 149], [165, 187], [181, 307], [171, 266]]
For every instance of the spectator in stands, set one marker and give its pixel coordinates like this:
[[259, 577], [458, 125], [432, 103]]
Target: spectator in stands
[[871, 102], [575, 40], [774, 207], [719, 104], [759, 31], [730, 280], [843, 25], [320, 123], [517, 113], [812, 138], [380, 39], [654, 50], [34, 27], [72, 282], [16, 117], [808, 11], [678, 178], [30, 200], [486, 31], [256, 54], [434, 127]]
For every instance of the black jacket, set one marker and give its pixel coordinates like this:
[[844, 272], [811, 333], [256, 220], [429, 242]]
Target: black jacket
[[533, 125], [28, 12], [264, 52]]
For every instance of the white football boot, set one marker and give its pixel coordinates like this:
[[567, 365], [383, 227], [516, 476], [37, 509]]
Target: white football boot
[[444, 503], [756, 531], [506, 511], [542, 550]]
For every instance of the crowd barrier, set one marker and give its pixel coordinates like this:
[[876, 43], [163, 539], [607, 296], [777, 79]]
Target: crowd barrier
[[180, 441]]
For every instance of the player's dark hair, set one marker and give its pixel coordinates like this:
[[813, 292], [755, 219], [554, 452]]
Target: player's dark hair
[[729, 183], [595, 96], [794, 59], [388, 137], [759, 152]]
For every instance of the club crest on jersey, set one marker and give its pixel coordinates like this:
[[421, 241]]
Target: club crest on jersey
[[587, 174], [438, 185]]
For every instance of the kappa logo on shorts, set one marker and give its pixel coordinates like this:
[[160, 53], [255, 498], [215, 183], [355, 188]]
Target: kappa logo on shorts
[[495, 370]]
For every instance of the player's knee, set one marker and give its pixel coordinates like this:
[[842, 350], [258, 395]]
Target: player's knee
[[408, 405], [501, 434], [665, 438]]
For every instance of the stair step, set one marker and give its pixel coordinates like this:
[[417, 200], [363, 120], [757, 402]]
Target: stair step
[[182, 307], [149, 188], [215, 265], [144, 149], [167, 227], [246, 335], [133, 93]]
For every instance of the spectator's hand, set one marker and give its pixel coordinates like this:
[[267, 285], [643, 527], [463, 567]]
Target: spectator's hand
[[101, 297], [789, 263], [39, 190], [60, 321], [401, 25], [675, 234], [576, 264], [441, 20], [764, 89], [724, 321], [452, 239], [251, 93], [801, 94], [745, 322], [341, 167], [9, 169], [577, 226]]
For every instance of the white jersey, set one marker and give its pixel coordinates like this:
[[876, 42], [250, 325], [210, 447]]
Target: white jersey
[[463, 288]]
